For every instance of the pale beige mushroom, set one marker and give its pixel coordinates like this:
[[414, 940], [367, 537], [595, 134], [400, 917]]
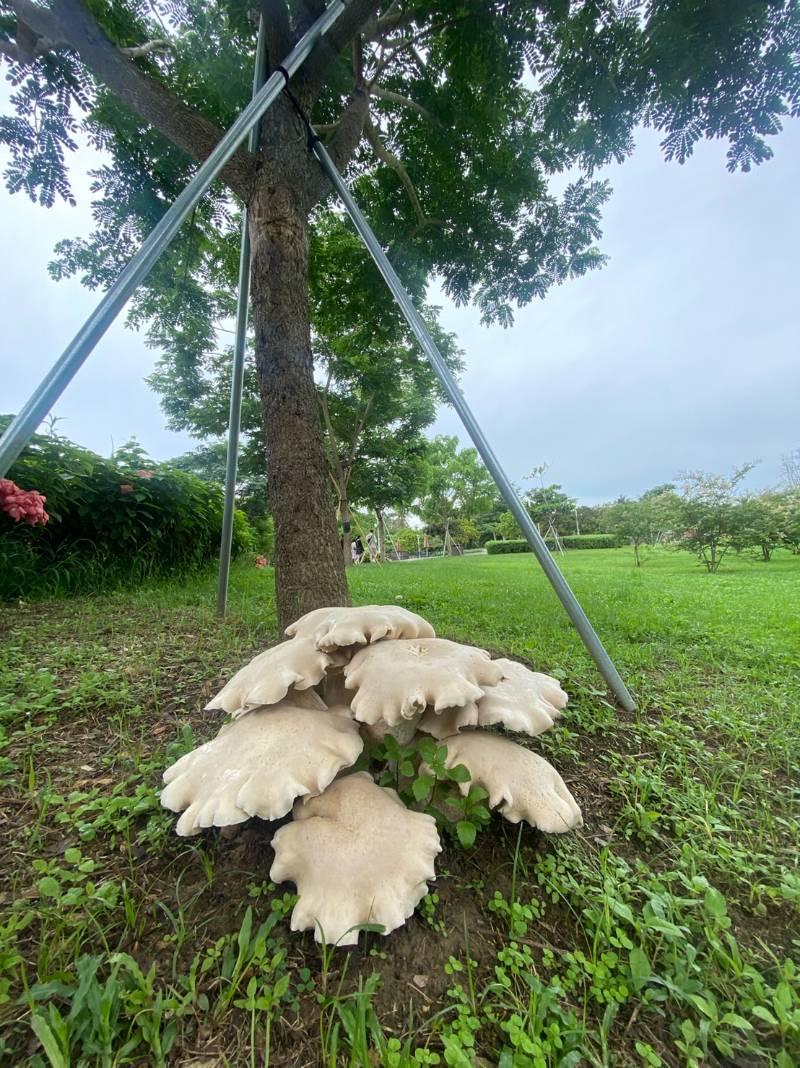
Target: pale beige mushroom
[[521, 783], [402, 732], [338, 628], [269, 676], [397, 680], [258, 765], [303, 699], [523, 700], [357, 855], [449, 720]]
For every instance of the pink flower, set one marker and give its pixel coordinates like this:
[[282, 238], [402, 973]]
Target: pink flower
[[22, 504], [261, 561], [144, 474], [126, 487]]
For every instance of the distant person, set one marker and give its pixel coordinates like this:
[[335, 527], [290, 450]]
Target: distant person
[[372, 545], [357, 551]]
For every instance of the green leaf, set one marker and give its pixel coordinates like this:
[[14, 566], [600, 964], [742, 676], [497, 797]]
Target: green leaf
[[49, 887], [737, 1021], [764, 1014], [703, 1005], [243, 938], [466, 832], [422, 786], [641, 969], [406, 768], [427, 749], [459, 773], [281, 986], [714, 902], [49, 1041], [619, 908]]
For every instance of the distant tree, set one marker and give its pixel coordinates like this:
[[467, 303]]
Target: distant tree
[[791, 530], [465, 532], [208, 462], [550, 504], [632, 521], [589, 520], [708, 514], [790, 469], [761, 523], [409, 539], [544, 504], [658, 491], [508, 528], [457, 486]]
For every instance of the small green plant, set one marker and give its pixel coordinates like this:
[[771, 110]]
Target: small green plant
[[420, 775], [428, 907], [109, 1019], [517, 916]]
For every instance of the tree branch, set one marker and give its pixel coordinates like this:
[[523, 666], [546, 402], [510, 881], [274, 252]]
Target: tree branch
[[404, 101], [69, 24], [376, 28], [146, 48], [341, 485], [344, 140], [351, 455], [391, 160], [312, 74]]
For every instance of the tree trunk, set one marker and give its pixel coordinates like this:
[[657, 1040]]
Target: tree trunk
[[381, 532], [347, 537], [309, 568]]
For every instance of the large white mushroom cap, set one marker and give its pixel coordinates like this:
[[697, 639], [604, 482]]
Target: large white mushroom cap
[[397, 680], [258, 765], [269, 676], [521, 783], [337, 628], [523, 700], [357, 855]]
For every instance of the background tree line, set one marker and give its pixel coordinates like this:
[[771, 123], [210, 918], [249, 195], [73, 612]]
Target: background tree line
[[706, 514]]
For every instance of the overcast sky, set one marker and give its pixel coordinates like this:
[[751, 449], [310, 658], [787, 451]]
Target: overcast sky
[[682, 353]]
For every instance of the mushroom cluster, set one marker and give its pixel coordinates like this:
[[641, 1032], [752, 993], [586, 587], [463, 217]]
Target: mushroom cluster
[[301, 713]]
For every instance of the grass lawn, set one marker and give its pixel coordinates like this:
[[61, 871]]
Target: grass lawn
[[667, 931]]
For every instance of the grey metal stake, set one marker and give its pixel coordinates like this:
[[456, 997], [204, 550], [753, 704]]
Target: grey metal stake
[[239, 346], [534, 538], [61, 374]]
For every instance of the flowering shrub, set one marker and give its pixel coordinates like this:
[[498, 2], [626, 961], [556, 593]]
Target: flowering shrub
[[110, 521], [22, 504]]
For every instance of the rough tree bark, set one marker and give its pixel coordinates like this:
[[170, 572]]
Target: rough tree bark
[[309, 569]]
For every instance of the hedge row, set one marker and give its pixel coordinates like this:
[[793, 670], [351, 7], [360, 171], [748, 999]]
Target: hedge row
[[569, 541], [111, 523], [590, 541]]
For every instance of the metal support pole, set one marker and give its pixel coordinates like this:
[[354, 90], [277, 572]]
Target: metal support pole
[[534, 538], [44, 397], [239, 346]]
